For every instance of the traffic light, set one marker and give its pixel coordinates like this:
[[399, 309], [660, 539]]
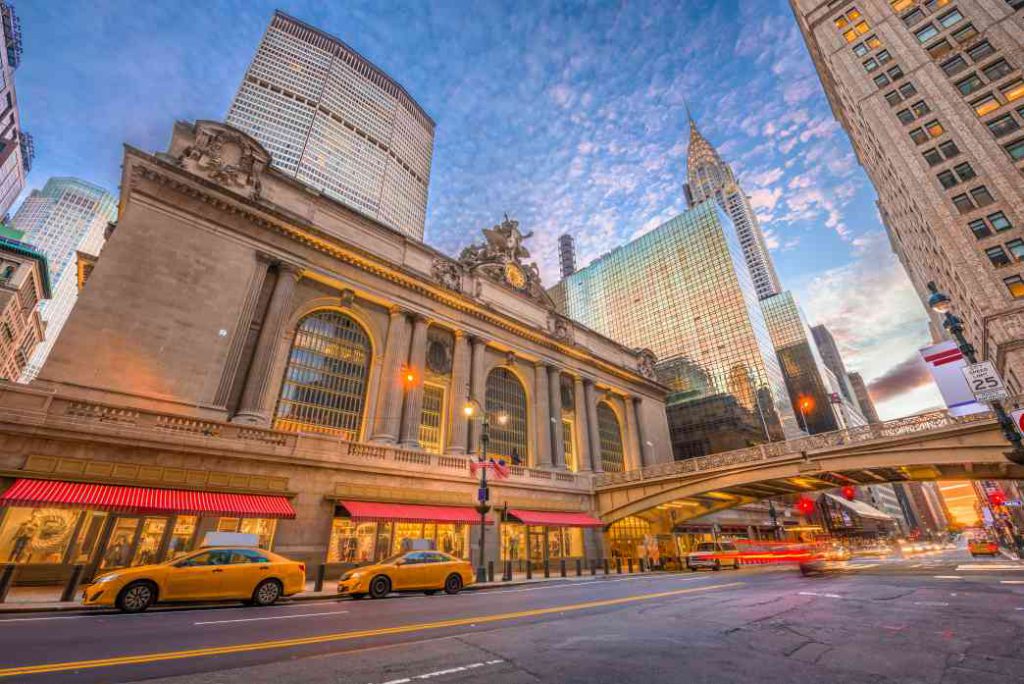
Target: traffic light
[[997, 498], [849, 493], [805, 505]]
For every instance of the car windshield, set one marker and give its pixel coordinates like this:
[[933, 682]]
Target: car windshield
[[393, 559], [706, 546]]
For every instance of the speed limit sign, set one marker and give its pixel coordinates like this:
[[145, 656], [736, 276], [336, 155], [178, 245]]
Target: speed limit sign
[[984, 381]]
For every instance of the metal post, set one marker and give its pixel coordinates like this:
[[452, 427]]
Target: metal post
[[547, 568], [321, 571], [579, 567], [629, 565], [529, 569], [481, 570], [506, 576], [561, 567], [71, 588], [593, 567], [6, 578], [605, 565], [490, 571], [618, 565]]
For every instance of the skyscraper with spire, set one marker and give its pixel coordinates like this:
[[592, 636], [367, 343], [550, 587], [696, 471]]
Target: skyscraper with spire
[[710, 177]]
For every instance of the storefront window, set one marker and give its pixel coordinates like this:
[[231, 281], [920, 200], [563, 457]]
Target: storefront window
[[149, 541], [383, 549], [560, 542], [36, 535], [626, 536], [89, 536], [513, 541], [182, 536], [450, 538], [263, 528], [351, 542], [118, 553]]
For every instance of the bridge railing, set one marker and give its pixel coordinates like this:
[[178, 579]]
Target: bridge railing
[[865, 433]]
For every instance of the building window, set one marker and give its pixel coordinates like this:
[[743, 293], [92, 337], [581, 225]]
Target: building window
[[895, 73], [893, 98], [324, 387], [873, 42], [884, 57], [870, 65], [949, 149], [881, 80], [1015, 284], [979, 228], [999, 221], [969, 84], [951, 18], [997, 256], [907, 90], [900, 5], [1004, 125], [1013, 91], [947, 179], [981, 51], [570, 447], [934, 129], [996, 70], [919, 136], [626, 536], [932, 156], [965, 34], [432, 419], [1015, 149], [964, 171], [612, 454], [963, 204], [954, 66], [926, 33], [921, 108], [1016, 248], [985, 105], [860, 49], [905, 116], [981, 196], [912, 17], [506, 399], [940, 49]]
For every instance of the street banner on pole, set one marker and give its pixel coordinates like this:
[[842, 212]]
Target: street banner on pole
[[1018, 419], [945, 361]]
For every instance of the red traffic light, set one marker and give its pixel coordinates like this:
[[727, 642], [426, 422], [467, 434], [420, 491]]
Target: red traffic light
[[849, 493], [805, 506], [997, 499]]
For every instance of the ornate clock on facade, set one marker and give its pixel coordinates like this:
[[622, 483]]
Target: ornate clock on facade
[[514, 276]]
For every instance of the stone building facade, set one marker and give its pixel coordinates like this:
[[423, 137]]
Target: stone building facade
[[932, 97], [24, 282], [247, 336]]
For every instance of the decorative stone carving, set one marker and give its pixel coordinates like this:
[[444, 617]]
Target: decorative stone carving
[[561, 329], [646, 363], [447, 273], [226, 156], [346, 298], [501, 257]]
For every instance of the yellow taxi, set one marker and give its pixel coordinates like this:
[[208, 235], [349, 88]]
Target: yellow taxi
[[252, 575], [982, 547], [426, 571]]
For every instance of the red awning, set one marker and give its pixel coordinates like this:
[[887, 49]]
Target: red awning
[[144, 500], [552, 519], [370, 511]]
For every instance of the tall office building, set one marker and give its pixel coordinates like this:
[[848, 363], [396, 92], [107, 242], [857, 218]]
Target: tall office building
[[860, 390], [884, 498], [932, 97], [566, 255], [337, 123], [683, 290], [16, 149], [65, 217], [710, 177], [833, 360], [24, 282]]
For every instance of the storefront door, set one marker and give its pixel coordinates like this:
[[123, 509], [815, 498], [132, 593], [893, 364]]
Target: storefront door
[[133, 541]]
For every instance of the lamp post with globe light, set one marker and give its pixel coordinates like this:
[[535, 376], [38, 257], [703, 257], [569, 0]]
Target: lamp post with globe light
[[942, 305], [474, 411]]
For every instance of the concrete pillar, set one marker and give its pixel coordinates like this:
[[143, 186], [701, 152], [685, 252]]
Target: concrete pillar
[[541, 417], [412, 411], [477, 388], [389, 392], [595, 435], [555, 423], [646, 448], [255, 406], [459, 433], [633, 435], [581, 426]]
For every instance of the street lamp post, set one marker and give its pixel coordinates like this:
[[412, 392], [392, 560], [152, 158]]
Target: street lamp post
[[941, 304], [471, 409]]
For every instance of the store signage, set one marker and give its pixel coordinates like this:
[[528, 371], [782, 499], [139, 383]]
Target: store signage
[[944, 362], [984, 382]]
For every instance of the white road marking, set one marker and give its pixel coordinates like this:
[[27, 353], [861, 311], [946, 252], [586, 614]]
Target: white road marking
[[813, 593], [60, 617], [1011, 581], [441, 673], [271, 617], [863, 567], [948, 577], [930, 603], [988, 568]]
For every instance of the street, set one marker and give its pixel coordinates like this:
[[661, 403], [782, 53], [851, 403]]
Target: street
[[943, 617]]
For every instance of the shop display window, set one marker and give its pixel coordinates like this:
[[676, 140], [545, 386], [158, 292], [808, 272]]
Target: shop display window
[[148, 545], [560, 542], [626, 536], [37, 535], [351, 542], [263, 528], [182, 536]]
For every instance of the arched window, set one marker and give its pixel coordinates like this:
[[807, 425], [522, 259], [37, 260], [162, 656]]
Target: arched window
[[612, 459], [506, 397], [324, 387]]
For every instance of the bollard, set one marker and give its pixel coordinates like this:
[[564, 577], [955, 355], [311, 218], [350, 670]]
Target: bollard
[[605, 566], [593, 567], [618, 565], [71, 588], [6, 578], [321, 572], [547, 569], [642, 566], [490, 571], [561, 567], [529, 570], [629, 565], [506, 576], [579, 567]]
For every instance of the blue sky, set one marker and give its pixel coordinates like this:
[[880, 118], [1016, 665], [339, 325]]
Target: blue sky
[[569, 116]]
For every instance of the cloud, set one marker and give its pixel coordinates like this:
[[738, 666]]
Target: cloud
[[906, 376]]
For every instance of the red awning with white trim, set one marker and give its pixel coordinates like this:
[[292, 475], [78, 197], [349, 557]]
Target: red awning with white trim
[[144, 500], [554, 519], [373, 511]]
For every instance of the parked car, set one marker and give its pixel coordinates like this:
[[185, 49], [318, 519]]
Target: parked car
[[714, 555], [251, 575], [983, 547], [426, 571]]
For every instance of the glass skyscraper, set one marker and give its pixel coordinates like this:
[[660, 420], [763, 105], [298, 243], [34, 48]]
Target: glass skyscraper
[[337, 123], [65, 217], [16, 149], [684, 291]]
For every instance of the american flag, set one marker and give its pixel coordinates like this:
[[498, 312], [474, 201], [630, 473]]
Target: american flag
[[500, 468]]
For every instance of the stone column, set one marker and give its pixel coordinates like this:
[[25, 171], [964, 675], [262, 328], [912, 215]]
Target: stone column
[[555, 406], [592, 430], [412, 412], [254, 409], [477, 389], [389, 389], [541, 416], [646, 449], [460, 394], [582, 429], [635, 460]]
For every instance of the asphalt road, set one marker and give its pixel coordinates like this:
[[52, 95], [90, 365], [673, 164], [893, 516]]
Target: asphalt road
[[939, 618]]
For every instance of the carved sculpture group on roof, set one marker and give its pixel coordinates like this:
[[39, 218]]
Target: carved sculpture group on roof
[[500, 258], [227, 156], [646, 364]]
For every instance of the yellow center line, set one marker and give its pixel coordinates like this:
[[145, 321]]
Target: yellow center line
[[340, 636]]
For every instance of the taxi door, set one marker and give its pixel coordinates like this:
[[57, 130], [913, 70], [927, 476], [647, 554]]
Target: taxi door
[[436, 570], [195, 577], [411, 574], [245, 570]]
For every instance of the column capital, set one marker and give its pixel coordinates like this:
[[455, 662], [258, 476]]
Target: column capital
[[395, 310], [287, 267]]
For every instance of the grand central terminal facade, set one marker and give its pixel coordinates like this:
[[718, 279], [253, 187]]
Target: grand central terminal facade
[[250, 355]]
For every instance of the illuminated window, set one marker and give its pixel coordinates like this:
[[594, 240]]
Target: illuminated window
[[934, 129], [853, 15], [612, 454], [900, 5], [985, 105], [1013, 91], [842, 22], [432, 419], [850, 36], [506, 402], [862, 28], [324, 387], [626, 536], [1016, 286], [873, 42], [570, 446]]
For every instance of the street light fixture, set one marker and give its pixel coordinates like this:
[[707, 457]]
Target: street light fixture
[[474, 411], [942, 305]]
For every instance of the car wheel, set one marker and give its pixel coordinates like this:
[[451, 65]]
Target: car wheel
[[717, 566], [380, 586], [266, 593], [453, 585], [430, 592], [136, 597]]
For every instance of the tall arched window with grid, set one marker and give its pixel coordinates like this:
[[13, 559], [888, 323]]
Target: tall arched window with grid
[[612, 456], [506, 398], [324, 388]]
